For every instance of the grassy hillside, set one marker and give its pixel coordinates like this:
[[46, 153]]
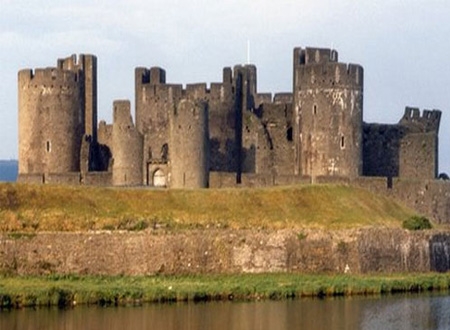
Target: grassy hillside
[[28, 208]]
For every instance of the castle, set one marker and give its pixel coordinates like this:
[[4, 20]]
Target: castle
[[224, 135]]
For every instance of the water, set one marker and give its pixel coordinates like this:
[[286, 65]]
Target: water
[[395, 312], [8, 170]]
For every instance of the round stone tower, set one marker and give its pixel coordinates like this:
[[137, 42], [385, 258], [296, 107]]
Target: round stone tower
[[188, 146], [328, 104], [51, 122], [127, 145]]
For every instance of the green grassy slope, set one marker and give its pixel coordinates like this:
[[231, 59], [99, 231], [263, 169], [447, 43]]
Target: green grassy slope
[[69, 208]]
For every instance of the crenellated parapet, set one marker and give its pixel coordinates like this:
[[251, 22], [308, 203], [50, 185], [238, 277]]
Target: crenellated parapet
[[196, 92], [48, 76], [152, 76], [314, 55], [319, 68], [428, 121], [85, 66]]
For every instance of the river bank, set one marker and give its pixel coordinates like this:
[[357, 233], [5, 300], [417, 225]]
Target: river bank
[[70, 290]]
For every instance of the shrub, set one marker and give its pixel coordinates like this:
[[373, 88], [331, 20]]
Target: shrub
[[132, 224], [417, 223], [301, 236]]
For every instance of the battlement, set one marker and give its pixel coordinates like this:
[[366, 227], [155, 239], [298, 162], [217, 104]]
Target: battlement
[[196, 91], [47, 77], [152, 76], [227, 76], [75, 63], [70, 62], [121, 113], [248, 75], [314, 56], [428, 121], [329, 75], [283, 98]]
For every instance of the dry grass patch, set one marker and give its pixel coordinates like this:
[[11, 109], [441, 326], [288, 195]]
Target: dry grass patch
[[67, 208]]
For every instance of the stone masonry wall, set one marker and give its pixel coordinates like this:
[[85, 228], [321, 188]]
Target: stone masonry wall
[[328, 105], [225, 251], [50, 126]]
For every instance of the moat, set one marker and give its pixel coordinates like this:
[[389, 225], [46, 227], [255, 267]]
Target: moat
[[386, 312]]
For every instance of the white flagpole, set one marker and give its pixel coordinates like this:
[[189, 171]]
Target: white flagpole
[[248, 51]]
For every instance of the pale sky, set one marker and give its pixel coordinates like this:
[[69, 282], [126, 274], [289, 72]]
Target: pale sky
[[403, 45]]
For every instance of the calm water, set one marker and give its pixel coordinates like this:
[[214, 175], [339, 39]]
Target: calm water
[[398, 312]]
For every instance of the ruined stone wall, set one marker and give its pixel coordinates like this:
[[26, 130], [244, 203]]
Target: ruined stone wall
[[73, 178], [222, 179], [86, 68], [328, 103], [276, 119], [381, 149], [222, 124], [35, 178], [50, 121], [97, 178], [154, 101], [225, 251], [418, 156], [267, 144], [126, 148], [105, 134], [419, 146], [408, 149], [254, 180], [255, 145], [189, 143], [245, 87], [245, 83]]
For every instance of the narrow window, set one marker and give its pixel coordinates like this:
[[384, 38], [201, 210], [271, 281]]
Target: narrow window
[[289, 136], [389, 182], [315, 109], [342, 142], [48, 146]]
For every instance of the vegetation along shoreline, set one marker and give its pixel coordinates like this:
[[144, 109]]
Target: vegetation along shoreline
[[70, 290]]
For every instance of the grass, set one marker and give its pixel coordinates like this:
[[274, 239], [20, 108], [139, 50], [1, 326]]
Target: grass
[[31, 208], [55, 290]]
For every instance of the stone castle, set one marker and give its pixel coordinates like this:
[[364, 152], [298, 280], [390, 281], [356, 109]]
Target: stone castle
[[224, 135]]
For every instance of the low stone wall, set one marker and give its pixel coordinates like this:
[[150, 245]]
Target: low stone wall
[[97, 178], [225, 251], [252, 180]]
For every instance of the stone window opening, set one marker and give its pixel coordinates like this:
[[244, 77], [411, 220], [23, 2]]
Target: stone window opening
[[315, 109], [48, 146], [342, 142], [289, 135]]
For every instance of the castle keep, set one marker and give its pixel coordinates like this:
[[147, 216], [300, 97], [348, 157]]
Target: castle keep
[[226, 134]]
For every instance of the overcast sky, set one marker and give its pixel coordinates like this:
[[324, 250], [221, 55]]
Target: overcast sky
[[403, 45]]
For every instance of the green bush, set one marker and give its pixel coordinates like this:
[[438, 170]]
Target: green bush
[[417, 223]]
